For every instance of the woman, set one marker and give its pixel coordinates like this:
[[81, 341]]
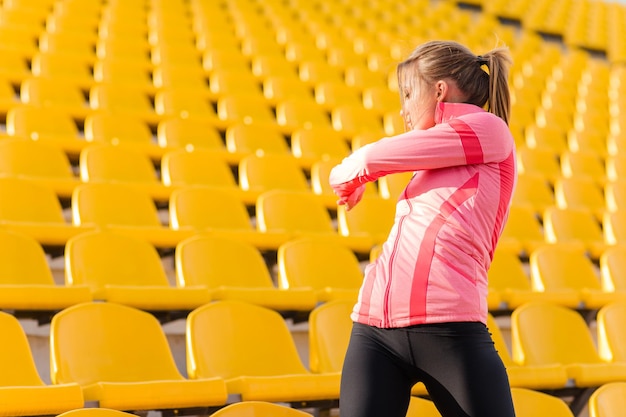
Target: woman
[[422, 309]]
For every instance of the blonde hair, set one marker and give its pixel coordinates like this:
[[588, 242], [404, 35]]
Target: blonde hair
[[440, 60]]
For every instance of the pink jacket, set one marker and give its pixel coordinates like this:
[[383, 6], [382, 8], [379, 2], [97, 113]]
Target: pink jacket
[[433, 266]]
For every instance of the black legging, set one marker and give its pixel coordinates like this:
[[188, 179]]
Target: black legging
[[457, 362]]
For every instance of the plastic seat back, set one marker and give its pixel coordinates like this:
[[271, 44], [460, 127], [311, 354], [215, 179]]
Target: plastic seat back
[[231, 339], [23, 260], [22, 200], [16, 360], [544, 333], [256, 138], [33, 159], [329, 333], [531, 403], [265, 172], [216, 262], [609, 400], [196, 167], [373, 216], [113, 163], [611, 328], [113, 204], [116, 128], [178, 132], [105, 258], [292, 211], [258, 409], [318, 263], [106, 342], [613, 269], [207, 208], [561, 266]]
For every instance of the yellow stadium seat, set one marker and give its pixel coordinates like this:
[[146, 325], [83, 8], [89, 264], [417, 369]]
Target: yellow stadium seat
[[258, 409], [300, 113], [22, 391], [236, 270], [615, 168], [544, 333], [272, 65], [187, 76], [226, 82], [222, 59], [580, 193], [95, 412], [65, 96], [301, 214], [583, 164], [535, 191], [608, 400], [279, 89], [546, 138], [124, 74], [539, 161], [38, 162], [317, 71], [256, 138], [361, 77], [220, 212], [260, 173], [125, 209], [373, 217], [197, 166], [35, 210], [185, 104], [331, 94], [299, 266], [179, 132], [26, 281], [122, 99], [15, 66], [534, 403], [329, 333], [381, 99], [535, 376], [565, 268], [523, 231], [245, 108], [391, 186], [613, 269], [510, 282], [252, 348], [575, 226], [129, 367], [111, 163], [317, 143], [587, 141], [67, 42], [614, 227], [126, 270], [611, 334], [352, 120], [127, 131], [46, 125]]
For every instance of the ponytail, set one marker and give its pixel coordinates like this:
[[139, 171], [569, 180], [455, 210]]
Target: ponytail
[[498, 62]]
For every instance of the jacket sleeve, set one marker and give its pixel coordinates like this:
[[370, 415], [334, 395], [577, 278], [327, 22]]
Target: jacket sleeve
[[453, 143]]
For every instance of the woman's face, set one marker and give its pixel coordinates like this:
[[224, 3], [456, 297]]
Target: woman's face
[[419, 102]]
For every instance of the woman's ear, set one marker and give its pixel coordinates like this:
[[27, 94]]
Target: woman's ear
[[441, 89]]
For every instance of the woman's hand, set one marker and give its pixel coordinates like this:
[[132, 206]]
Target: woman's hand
[[351, 199]]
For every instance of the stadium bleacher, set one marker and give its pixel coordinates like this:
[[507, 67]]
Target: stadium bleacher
[[155, 126]]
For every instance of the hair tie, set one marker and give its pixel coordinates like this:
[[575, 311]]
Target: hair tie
[[481, 60]]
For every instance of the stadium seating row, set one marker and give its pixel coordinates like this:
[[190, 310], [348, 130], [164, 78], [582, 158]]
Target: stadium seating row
[[241, 352]]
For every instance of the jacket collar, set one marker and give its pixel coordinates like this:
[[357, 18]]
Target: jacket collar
[[446, 111]]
